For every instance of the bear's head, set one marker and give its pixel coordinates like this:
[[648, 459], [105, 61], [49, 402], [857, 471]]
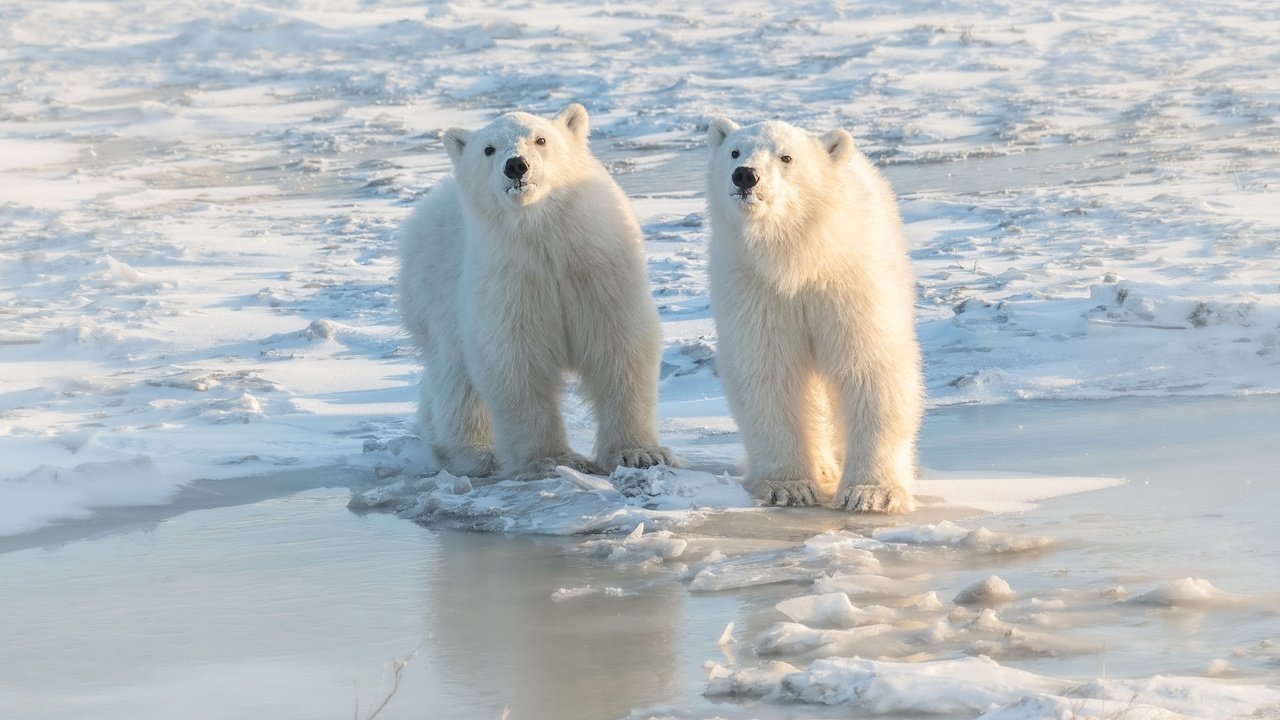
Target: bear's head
[[773, 171], [518, 159]]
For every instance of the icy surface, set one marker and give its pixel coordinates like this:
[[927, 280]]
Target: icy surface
[[197, 208], [294, 605], [571, 504]]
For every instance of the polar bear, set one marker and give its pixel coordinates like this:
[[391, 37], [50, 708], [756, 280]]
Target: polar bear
[[525, 265], [813, 299]]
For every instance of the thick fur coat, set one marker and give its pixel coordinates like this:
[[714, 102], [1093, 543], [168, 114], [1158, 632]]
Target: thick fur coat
[[813, 299], [524, 266]]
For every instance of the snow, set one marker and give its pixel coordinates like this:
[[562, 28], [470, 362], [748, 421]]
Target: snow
[[186, 190], [197, 210]]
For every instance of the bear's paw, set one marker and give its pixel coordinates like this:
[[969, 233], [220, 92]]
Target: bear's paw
[[875, 498], [545, 467], [642, 457], [789, 492]]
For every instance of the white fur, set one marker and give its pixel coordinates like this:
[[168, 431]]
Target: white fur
[[813, 298], [506, 287]]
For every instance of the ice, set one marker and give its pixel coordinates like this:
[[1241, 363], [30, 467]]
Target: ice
[[573, 593], [572, 503], [832, 610], [948, 533], [757, 681], [943, 533], [794, 638], [637, 547], [197, 214], [842, 542], [1160, 698], [860, 585], [662, 488], [818, 557], [990, 590], [1187, 592], [983, 688], [942, 687], [989, 541], [49, 493]]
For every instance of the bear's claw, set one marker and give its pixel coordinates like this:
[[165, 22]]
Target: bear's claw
[[642, 457], [875, 498], [789, 492]]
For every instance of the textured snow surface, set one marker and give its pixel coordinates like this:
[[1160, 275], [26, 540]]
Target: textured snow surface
[[197, 267], [198, 200]]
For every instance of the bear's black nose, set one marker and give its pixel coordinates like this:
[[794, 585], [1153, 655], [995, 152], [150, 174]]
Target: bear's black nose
[[515, 168], [745, 177]]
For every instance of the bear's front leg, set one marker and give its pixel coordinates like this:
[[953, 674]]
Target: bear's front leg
[[769, 394], [880, 463], [617, 356], [519, 374], [529, 432]]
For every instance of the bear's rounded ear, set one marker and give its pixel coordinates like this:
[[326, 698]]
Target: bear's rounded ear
[[719, 129], [574, 119], [839, 145], [455, 140]]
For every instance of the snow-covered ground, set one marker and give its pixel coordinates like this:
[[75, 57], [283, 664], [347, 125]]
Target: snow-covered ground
[[197, 203]]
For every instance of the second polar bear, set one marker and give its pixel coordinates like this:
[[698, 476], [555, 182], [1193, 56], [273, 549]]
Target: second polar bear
[[813, 298], [525, 265]]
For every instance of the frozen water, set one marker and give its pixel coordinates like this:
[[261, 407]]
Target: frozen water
[[988, 591], [280, 604], [197, 204]]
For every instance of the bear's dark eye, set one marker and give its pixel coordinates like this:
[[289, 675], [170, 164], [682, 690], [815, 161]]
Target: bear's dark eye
[[541, 141], [786, 159], [489, 150], [734, 154]]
